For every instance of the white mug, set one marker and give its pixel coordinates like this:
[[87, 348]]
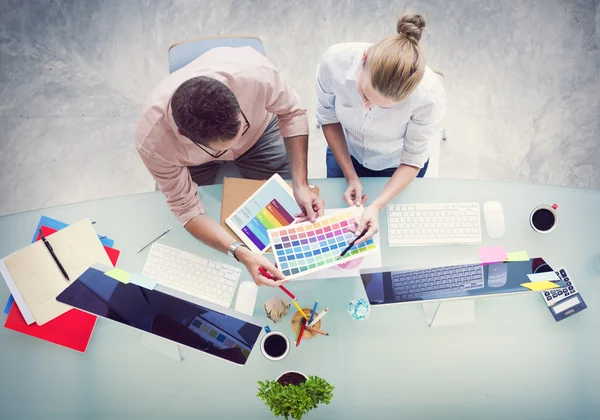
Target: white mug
[[270, 334], [541, 224]]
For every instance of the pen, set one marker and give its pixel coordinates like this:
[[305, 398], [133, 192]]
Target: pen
[[312, 314], [299, 328], [267, 275], [351, 244], [321, 315], [301, 333], [315, 331], [155, 239], [300, 309], [54, 255]]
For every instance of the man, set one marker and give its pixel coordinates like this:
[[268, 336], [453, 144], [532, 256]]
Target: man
[[230, 104]]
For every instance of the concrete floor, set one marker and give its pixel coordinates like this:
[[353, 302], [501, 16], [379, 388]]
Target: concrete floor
[[523, 82]]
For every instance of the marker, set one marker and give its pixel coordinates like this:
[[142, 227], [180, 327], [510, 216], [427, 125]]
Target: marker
[[351, 244], [315, 331], [300, 309], [321, 315], [302, 323], [155, 239], [267, 275]]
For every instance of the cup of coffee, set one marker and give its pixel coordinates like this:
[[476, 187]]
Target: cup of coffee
[[275, 345], [544, 219]]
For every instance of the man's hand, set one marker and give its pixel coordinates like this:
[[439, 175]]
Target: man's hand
[[311, 204], [353, 195], [369, 222], [253, 260]]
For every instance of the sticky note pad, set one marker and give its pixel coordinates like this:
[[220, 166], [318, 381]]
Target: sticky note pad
[[143, 281], [540, 285], [118, 274], [549, 276], [492, 254], [517, 256]]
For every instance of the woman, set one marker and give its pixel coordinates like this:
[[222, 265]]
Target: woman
[[378, 106]]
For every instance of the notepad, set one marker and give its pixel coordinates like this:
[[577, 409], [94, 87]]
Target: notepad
[[492, 254], [38, 277], [517, 256], [548, 276], [540, 285]]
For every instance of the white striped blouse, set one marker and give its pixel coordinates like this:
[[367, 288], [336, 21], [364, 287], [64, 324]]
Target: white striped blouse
[[379, 138]]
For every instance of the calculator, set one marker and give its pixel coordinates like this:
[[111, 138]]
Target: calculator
[[566, 300]]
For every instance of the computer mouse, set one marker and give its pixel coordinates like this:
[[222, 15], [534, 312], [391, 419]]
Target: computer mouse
[[494, 219], [497, 274], [245, 300]]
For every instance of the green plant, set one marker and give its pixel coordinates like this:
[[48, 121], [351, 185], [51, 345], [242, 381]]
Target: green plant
[[294, 401]]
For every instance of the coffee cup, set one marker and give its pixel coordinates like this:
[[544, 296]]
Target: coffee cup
[[275, 345], [544, 219]]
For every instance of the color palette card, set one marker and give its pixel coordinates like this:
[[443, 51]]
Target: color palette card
[[306, 247]]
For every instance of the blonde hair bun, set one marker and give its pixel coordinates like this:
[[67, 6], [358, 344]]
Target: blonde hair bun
[[411, 26]]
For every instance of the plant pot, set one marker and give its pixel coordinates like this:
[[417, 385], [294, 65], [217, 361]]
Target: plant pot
[[292, 377]]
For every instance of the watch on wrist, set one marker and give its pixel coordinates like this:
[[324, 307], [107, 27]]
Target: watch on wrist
[[233, 247]]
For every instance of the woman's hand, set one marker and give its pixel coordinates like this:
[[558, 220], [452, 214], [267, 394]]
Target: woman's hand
[[353, 195], [369, 222]]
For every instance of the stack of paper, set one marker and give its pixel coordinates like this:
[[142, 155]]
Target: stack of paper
[[74, 246]]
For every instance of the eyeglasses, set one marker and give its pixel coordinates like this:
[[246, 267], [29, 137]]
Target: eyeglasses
[[222, 152]]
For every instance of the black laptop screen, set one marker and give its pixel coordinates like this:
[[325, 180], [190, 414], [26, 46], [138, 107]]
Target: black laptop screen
[[164, 315]]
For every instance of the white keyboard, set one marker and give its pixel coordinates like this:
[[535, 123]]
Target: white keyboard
[[191, 274], [434, 224]]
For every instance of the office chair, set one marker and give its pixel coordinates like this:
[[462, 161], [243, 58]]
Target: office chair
[[184, 52]]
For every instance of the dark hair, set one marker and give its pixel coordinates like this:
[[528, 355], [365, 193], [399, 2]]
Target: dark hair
[[206, 110]]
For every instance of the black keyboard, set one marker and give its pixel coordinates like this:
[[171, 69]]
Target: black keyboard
[[429, 282]]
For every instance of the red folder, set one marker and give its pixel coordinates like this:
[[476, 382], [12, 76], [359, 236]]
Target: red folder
[[73, 329]]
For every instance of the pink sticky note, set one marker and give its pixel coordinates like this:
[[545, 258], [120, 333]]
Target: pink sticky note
[[492, 254]]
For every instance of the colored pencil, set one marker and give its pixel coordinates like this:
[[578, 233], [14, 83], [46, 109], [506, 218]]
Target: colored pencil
[[312, 314], [351, 244], [315, 331], [302, 327], [321, 315], [302, 323], [300, 309], [267, 275]]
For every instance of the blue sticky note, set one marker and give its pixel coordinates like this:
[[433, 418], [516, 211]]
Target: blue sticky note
[[143, 281], [9, 304]]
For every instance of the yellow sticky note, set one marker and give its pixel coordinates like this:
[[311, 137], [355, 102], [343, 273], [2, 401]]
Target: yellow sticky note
[[118, 274], [540, 285], [517, 256]]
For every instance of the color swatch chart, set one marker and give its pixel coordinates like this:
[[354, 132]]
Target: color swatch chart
[[305, 247]]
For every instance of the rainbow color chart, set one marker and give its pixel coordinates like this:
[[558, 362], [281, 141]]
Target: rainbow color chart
[[271, 206], [306, 247]]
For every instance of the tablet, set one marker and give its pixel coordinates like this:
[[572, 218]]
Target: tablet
[[271, 206]]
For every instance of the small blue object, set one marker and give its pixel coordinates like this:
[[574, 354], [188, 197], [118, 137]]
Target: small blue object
[[359, 309], [9, 304], [267, 329], [314, 311]]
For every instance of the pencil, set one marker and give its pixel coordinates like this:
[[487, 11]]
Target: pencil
[[351, 244], [302, 327], [321, 315], [300, 309], [315, 331], [302, 323], [312, 314], [267, 275]]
